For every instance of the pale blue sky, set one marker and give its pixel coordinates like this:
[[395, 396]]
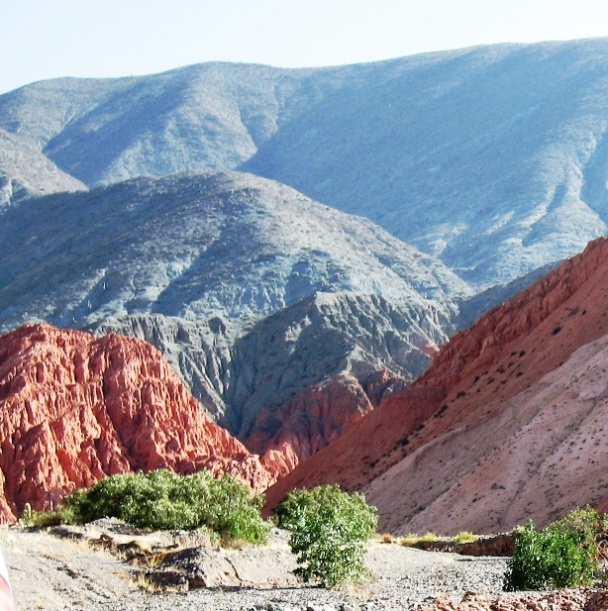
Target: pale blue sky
[[43, 39]]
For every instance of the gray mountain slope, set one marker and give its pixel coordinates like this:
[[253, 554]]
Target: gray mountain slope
[[199, 246], [282, 355], [322, 336], [492, 158], [25, 172], [196, 263], [203, 117]]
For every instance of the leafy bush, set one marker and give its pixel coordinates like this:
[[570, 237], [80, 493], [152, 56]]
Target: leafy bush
[[590, 526], [164, 500], [553, 557], [234, 512], [328, 528]]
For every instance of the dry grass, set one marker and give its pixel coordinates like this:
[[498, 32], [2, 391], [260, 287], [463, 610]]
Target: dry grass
[[466, 536], [411, 539], [145, 582]]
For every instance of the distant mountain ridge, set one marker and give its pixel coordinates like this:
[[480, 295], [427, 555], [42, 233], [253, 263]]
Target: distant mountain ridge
[[491, 158], [205, 117]]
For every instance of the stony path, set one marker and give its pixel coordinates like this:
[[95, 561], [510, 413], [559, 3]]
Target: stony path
[[54, 574]]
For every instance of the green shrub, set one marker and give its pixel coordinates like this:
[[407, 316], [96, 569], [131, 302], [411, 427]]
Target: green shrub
[[328, 528], [550, 558], [164, 500], [41, 519], [589, 525], [413, 540], [466, 536], [234, 513]]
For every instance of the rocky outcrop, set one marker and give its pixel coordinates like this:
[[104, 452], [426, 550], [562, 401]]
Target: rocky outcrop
[[200, 351], [75, 408], [323, 337], [506, 425], [298, 378], [319, 415], [502, 544]]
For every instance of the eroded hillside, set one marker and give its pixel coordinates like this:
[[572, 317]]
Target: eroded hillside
[[507, 424]]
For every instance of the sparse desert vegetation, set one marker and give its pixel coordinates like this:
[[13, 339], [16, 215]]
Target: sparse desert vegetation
[[162, 499]]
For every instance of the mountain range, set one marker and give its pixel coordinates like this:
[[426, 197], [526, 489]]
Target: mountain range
[[490, 158], [253, 291], [299, 244]]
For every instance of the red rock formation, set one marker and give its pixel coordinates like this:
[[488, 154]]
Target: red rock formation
[[501, 428], [315, 418], [75, 408]]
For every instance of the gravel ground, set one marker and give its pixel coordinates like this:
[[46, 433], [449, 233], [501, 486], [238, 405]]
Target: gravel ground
[[53, 574]]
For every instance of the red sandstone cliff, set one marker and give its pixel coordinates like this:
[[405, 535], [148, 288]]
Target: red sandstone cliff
[[75, 408], [509, 423]]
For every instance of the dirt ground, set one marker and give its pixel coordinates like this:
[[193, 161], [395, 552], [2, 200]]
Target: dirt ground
[[52, 573]]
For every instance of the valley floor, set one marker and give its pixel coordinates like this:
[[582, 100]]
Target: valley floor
[[52, 574]]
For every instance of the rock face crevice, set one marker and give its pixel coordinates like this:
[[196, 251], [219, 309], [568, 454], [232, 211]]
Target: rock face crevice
[[507, 424], [75, 408]]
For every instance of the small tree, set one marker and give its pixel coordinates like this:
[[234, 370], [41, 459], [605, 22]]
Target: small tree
[[328, 528]]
